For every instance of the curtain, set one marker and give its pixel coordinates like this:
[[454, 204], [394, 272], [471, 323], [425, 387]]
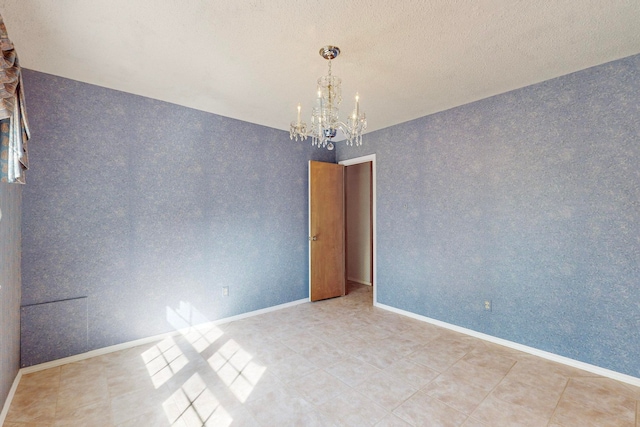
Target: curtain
[[14, 127]]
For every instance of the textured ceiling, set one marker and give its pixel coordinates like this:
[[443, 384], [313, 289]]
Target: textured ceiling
[[254, 60]]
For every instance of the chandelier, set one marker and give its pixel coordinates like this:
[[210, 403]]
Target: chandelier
[[325, 121]]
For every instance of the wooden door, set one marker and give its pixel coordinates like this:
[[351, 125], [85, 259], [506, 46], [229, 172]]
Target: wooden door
[[326, 231]]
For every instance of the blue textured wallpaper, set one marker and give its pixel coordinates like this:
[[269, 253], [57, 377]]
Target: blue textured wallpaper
[[140, 205], [530, 199], [62, 325], [11, 206]]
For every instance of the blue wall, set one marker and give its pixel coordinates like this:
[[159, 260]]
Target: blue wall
[[10, 205], [140, 205], [530, 199]]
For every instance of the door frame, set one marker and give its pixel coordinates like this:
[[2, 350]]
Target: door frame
[[354, 161]]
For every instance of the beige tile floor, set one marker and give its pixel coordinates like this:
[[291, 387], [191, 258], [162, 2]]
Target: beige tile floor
[[339, 362]]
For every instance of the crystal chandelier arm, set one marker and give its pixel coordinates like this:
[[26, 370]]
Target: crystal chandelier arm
[[298, 129]]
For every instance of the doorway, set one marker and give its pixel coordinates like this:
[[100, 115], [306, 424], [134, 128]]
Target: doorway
[[360, 224]]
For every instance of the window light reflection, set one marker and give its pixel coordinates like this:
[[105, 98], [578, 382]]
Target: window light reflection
[[236, 369], [194, 403], [193, 325], [163, 361]]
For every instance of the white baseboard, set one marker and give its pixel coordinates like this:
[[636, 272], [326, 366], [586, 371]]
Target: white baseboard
[[526, 349], [362, 282], [94, 353], [12, 392], [148, 340]]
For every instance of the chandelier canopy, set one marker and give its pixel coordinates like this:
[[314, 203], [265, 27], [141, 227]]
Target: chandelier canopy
[[325, 121]]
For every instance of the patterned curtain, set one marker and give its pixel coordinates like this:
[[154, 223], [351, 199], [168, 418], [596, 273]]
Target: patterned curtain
[[14, 128]]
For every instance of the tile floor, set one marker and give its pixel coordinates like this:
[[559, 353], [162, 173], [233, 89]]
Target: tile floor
[[339, 362]]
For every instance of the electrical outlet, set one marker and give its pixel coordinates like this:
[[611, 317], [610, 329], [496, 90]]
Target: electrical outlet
[[225, 291], [487, 305]]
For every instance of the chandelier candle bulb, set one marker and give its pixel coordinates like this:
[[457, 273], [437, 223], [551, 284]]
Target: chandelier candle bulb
[[299, 108]]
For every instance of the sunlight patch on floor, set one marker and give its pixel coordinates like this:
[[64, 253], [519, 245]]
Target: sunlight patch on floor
[[193, 325], [236, 369], [163, 361], [193, 404]]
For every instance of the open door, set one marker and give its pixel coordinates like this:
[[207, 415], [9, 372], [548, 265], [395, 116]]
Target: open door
[[326, 231]]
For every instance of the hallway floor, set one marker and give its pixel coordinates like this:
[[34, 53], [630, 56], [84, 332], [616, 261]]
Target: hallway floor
[[339, 362]]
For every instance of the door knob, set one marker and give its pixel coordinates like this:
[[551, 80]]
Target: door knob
[[314, 238]]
